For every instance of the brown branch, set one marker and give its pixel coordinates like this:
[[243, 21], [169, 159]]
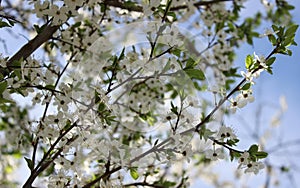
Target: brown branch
[[32, 45]]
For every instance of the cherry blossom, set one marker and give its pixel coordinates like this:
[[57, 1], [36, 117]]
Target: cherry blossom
[[254, 167], [118, 88], [59, 14], [215, 154]]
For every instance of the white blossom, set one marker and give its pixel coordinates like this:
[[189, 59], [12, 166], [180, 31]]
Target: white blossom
[[215, 154], [225, 133], [254, 167]]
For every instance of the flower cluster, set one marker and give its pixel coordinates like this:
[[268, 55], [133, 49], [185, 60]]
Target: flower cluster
[[249, 165], [241, 100], [118, 88], [248, 160]]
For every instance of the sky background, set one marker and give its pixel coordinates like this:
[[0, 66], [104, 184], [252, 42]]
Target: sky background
[[285, 81]]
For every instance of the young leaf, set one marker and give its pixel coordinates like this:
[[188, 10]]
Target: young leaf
[[3, 86], [291, 30], [195, 73], [246, 86], [275, 28], [122, 54], [248, 61], [134, 174], [29, 163], [253, 148], [234, 154], [176, 52], [272, 39], [205, 133], [4, 24], [261, 155], [270, 61]]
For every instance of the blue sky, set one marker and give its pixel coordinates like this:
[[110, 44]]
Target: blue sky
[[285, 81], [267, 91]]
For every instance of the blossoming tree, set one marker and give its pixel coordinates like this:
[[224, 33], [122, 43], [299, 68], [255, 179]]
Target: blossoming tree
[[130, 93]]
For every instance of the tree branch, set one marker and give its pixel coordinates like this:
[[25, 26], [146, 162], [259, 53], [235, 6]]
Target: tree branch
[[32, 45]]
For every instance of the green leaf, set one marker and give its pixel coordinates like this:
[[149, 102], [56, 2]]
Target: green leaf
[[275, 28], [205, 133], [68, 125], [246, 86], [134, 174], [2, 100], [291, 30], [11, 22], [3, 86], [4, 24], [234, 154], [253, 148], [97, 98], [172, 14], [269, 70], [190, 64], [168, 184], [261, 154], [37, 28], [249, 61], [270, 61], [195, 73], [232, 142], [101, 107], [29, 163], [272, 39], [288, 41], [176, 52], [289, 52], [122, 54], [174, 109]]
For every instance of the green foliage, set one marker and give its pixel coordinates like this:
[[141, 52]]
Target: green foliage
[[68, 125], [3, 86], [232, 142], [281, 13], [270, 61], [102, 111], [205, 133], [234, 155], [5, 24], [285, 38], [249, 61], [174, 109], [134, 173], [29, 163], [255, 154], [195, 74], [246, 86], [39, 29]]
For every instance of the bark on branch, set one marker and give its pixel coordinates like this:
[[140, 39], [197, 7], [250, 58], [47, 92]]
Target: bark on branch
[[32, 45]]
